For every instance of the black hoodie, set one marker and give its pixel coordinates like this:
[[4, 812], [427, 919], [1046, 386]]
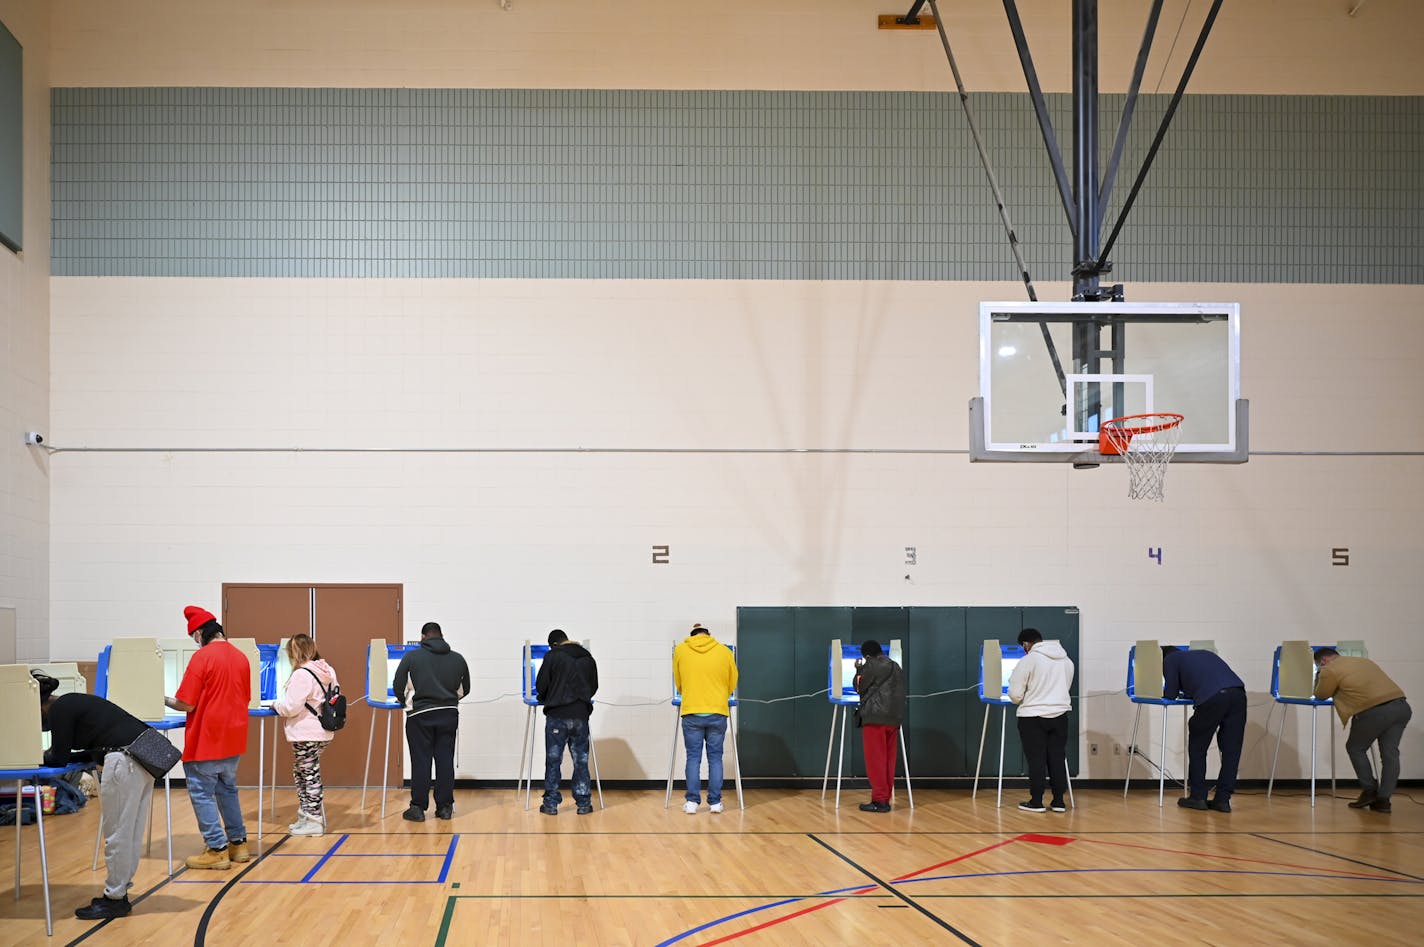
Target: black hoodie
[[567, 681], [440, 677]]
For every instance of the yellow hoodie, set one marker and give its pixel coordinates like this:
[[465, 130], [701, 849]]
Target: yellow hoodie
[[705, 673]]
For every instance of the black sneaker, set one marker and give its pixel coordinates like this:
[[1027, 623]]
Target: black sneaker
[[585, 808], [1367, 799], [413, 814], [1380, 805], [1058, 806], [548, 809], [444, 812], [1219, 804], [1033, 805], [875, 806], [1192, 802], [104, 909]]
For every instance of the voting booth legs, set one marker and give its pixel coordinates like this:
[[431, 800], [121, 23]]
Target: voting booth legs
[[979, 766], [839, 713], [528, 755], [1162, 764], [33, 775], [732, 741]]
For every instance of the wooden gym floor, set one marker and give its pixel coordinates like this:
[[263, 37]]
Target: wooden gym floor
[[789, 869]]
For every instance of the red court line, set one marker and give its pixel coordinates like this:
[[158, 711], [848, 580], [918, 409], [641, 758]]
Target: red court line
[[1238, 858], [780, 920], [959, 858], [804, 911]]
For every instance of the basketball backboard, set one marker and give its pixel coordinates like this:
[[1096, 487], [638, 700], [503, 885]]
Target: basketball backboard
[[1051, 373]]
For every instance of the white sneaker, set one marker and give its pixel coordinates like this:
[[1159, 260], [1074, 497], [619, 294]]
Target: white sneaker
[[689, 807], [716, 808], [305, 820], [309, 827]]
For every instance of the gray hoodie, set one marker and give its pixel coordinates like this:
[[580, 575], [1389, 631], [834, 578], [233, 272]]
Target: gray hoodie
[[1040, 683], [438, 676]]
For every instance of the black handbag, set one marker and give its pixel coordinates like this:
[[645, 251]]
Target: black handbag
[[154, 753]]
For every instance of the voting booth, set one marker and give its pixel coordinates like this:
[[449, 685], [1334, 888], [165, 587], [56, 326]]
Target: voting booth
[[1144, 688], [531, 660], [840, 691], [731, 733], [382, 659], [1293, 674], [996, 664]]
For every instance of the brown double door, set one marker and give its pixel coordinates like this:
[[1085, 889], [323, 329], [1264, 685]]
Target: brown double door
[[342, 620]]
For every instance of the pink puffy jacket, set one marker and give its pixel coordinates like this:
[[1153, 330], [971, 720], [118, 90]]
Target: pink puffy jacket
[[301, 725]]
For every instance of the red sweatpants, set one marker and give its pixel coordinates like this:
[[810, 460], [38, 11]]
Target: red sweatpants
[[879, 742]]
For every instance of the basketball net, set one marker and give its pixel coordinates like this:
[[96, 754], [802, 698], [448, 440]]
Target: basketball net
[[1147, 443]]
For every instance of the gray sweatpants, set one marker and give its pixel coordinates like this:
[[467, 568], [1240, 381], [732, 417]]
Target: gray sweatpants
[[125, 793], [1383, 723]]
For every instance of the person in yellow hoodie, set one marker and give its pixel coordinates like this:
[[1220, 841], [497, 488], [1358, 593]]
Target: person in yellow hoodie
[[1364, 694], [705, 674]]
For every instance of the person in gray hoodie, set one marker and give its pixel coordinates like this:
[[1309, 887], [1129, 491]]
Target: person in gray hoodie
[[1040, 684], [438, 678]]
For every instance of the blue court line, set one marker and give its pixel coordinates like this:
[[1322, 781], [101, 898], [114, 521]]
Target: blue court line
[[325, 858], [999, 874], [449, 857]]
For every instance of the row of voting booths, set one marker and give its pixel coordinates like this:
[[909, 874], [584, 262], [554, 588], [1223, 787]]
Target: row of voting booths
[[1293, 674]]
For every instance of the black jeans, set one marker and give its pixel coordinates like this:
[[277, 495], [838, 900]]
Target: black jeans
[[431, 737], [1045, 743], [1222, 715]]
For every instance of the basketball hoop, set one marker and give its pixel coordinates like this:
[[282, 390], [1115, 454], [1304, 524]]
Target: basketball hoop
[[1146, 443]]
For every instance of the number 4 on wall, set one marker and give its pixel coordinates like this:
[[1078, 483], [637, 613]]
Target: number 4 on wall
[[1155, 554]]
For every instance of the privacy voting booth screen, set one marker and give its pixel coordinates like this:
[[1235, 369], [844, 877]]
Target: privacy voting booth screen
[[382, 659], [996, 662], [840, 671]]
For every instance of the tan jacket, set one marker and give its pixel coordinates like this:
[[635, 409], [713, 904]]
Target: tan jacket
[[1356, 684]]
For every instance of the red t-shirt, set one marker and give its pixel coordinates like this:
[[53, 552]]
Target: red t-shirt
[[218, 685]]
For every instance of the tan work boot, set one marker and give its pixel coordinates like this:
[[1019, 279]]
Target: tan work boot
[[211, 858], [237, 851]]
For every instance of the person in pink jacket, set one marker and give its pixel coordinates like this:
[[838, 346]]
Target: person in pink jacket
[[301, 705]]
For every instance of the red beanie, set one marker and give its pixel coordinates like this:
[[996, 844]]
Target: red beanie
[[197, 617]]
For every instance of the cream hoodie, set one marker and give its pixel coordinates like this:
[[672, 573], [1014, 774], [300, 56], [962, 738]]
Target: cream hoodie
[[1040, 682]]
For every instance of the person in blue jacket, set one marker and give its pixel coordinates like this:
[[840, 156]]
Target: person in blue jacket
[[1218, 699]]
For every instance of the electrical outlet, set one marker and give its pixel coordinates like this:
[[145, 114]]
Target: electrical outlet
[[1092, 749], [1117, 749]]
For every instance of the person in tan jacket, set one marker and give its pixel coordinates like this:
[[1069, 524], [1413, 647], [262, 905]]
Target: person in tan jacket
[[1364, 694]]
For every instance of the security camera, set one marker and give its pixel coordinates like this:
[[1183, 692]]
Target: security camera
[[34, 438]]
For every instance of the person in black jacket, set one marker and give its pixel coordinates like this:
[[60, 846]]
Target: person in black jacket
[[439, 677], [566, 683], [85, 728], [881, 685]]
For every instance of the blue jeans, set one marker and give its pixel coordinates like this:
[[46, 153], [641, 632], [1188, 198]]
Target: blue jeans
[[697, 730], [212, 787], [572, 731]]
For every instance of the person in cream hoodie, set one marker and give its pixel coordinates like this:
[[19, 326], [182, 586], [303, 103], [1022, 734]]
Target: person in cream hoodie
[[300, 706], [1040, 685]]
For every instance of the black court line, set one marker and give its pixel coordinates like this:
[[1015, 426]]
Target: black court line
[[897, 893], [134, 901], [1353, 861], [200, 936]]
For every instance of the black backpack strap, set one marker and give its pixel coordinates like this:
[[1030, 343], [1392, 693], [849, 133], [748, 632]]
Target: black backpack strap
[[315, 713]]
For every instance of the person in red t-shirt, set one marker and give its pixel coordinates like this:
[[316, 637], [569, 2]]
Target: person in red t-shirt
[[214, 693]]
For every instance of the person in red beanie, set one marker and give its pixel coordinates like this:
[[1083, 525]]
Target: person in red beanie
[[214, 693]]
